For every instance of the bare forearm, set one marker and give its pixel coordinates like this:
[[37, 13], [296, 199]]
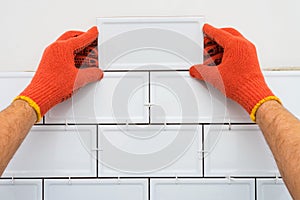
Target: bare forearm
[[15, 123], [282, 132]]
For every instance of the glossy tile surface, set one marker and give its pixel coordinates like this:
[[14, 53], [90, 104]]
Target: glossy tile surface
[[24, 189], [159, 42], [150, 150], [119, 97], [241, 151], [114, 189], [55, 151], [194, 189]]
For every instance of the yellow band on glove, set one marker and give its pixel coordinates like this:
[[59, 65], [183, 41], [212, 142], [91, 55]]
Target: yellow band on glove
[[255, 108], [34, 105]]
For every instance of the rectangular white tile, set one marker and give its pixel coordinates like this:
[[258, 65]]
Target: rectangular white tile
[[153, 150], [177, 97], [55, 151], [241, 151], [285, 85], [119, 97], [272, 189], [112, 189], [20, 189], [150, 42], [195, 189]]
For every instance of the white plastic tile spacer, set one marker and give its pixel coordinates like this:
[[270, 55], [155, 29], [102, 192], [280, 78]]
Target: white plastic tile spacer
[[165, 125], [276, 179], [149, 104], [69, 181], [200, 151], [229, 179], [229, 125], [176, 179], [118, 181], [96, 149], [12, 180], [66, 125], [127, 124]]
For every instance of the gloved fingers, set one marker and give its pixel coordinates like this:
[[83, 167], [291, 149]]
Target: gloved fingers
[[212, 50], [69, 34], [220, 36], [233, 32], [213, 60], [80, 42], [87, 75]]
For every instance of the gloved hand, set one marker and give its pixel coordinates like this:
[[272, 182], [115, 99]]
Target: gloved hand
[[57, 77], [237, 74]]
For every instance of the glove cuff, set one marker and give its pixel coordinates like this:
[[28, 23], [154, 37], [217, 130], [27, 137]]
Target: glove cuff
[[33, 104], [255, 108]]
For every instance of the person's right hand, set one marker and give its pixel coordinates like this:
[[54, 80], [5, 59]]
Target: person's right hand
[[64, 68], [237, 74]]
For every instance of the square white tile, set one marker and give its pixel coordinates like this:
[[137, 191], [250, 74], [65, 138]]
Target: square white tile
[[272, 189], [119, 97], [241, 151], [20, 189], [150, 42], [55, 151], [195, 189], [112, 189], [153, 150]]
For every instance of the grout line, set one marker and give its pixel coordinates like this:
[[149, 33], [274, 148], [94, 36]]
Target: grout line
[[140, 177], [149, 96], [154, 123], [43, 189], [255, 189], [203, 164], [149, 189], [97, 152]]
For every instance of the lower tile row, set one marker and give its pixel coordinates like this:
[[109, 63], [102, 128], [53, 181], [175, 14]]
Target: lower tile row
[[139, 189], [143, 151]]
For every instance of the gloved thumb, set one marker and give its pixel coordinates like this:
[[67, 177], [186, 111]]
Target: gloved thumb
[[86, 76]]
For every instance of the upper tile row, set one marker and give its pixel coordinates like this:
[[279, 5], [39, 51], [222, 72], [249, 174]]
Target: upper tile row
[[146, 97]]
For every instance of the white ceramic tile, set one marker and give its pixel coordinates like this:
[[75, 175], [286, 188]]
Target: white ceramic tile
[[20, 189], [177, 97], [112, 189], [241, 151], [119, 97], [279, 82], [153, 150], [272, 189], [150, 42], [11, 85], [285, 85], [55, 151], [196, 189]]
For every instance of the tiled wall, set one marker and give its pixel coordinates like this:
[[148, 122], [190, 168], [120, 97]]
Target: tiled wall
[[145, 135]]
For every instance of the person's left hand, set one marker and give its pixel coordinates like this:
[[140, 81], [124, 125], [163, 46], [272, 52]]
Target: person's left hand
[[57, 76]]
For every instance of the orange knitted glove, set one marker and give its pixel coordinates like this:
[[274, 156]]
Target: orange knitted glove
[[238, 75], [57, 77]]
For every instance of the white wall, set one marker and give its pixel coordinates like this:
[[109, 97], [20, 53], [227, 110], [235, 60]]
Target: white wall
[[27, 27]]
